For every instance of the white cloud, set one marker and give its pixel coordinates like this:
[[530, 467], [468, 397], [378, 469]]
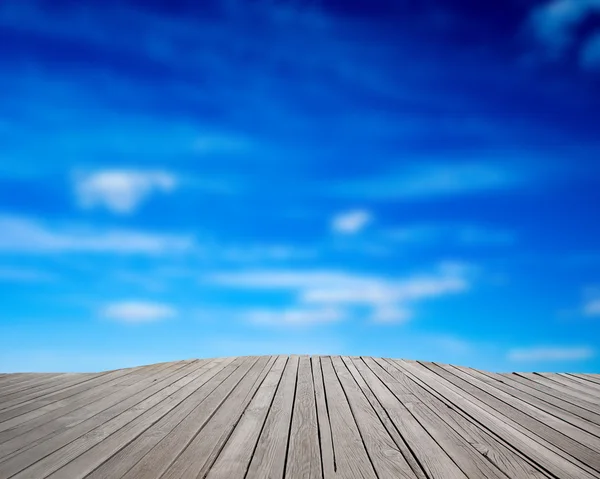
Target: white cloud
[[351, 222], [120, 191], [463, 234], [551, 354], [590, 53], [389, 300], [260, 253], [591, 301], [294, 316], [434, 180], [26, 235], [138, 311], [592, 308]]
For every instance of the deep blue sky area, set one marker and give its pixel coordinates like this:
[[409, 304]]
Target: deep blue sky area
[[387, 178]]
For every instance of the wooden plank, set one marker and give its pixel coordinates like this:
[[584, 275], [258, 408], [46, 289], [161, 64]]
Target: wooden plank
[[395, 397], [585, 400], [39, 407], [538, 391], [587, 377], [26, 381], [58, 385], [124, 425], [102, 406], [116, 415], [268, 460], [508, 460], [128, 456], [386, 458], [516, 377], [178, 403], [558, 419], [539, 451], [360, 373], [572, 385], [158, 459], [35, 383], [351, 457], [304, 457], [589, 386], [200, 454], [326, 439], [234, 459], [536, 422], [422, 406]]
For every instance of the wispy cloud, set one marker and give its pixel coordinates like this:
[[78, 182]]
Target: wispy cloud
[[294, 316], [23, 275], [465, 234], [389, 300], [26, 235], [555, 25], [435, 180], [590, 53], [591, 305], [138, 311], [351, 222], [541, 354], [592, 308], [121, 191]]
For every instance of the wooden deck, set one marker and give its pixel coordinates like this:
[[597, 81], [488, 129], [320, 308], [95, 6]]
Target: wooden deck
[[299, 417]]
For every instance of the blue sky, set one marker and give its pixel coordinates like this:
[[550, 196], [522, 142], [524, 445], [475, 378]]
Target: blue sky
[[401, 179]]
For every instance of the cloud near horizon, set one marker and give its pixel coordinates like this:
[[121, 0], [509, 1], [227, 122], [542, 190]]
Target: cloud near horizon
[[136, 312], [333, 295], [549, 354]]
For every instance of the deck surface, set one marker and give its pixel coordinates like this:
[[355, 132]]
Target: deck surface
[[299, 417]]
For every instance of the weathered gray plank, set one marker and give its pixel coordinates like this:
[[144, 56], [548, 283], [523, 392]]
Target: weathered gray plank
[[129, 455], [502, 456], [42, 391], [591, 436], [351, 457], [68, 399], [200, 454], [541, 452], [395, 397], [116, 401], [286, 417], [588, 401], [304, 457], [234, 459], [587, 386], [369, 386], [587, 377], [87, 459], [570, 384], [537, 422], [34, 385], [26, 381], [268, 460], [158, 459], [115, 417], [532, 389], [326, 439], [563, 396]]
